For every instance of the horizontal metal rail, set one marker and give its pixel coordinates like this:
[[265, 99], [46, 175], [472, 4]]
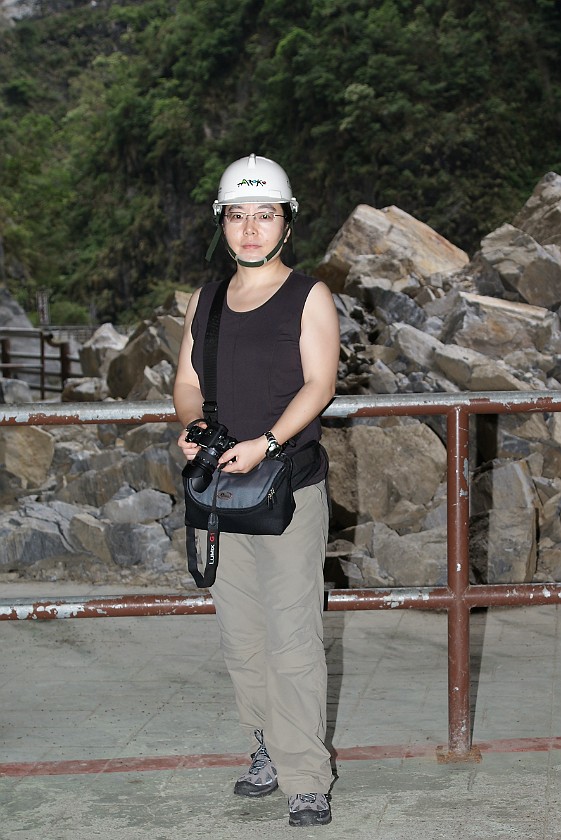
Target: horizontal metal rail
[[381, 405], [336, 600], [458, 598]]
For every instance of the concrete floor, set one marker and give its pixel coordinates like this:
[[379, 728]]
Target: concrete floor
[[126, 728]]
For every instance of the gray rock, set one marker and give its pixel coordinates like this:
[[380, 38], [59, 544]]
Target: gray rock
[[155, 383], [155, 467], [26, 452], [499, 327], [417, 559], [85, 389], [356, 324], [24, 541], [14, 391], [472, 371], [132, 544], [91, 534], [382, 379], [145, 506], [390, 306], [144, 349], [97, 353], [149, 434], [393, 234], [549, 563], [97, 486], [503, 524], [409, 464], [541, 215], [531, 269], [414, 344]]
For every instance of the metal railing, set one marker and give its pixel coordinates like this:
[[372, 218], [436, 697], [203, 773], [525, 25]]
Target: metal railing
[[44, 371], [458, 597]]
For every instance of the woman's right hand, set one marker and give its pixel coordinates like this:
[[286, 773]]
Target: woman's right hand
[[189, 448]]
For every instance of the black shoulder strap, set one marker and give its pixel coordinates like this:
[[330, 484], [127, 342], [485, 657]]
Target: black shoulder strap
[[210, 414], [210, 407], [205, 579]]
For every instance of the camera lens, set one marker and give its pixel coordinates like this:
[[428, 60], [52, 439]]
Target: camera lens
[[202, 469], [200, 479]]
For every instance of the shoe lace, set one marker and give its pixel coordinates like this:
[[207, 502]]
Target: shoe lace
[[260, 757], [308, 797]]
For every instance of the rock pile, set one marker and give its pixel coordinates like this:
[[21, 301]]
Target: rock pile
[[417, 316]]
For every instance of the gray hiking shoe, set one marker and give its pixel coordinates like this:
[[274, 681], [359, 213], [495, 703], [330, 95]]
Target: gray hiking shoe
[[261, 778], [309, 809]]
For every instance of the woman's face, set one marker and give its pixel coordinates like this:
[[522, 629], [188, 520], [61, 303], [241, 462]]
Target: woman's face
[[253, 230]]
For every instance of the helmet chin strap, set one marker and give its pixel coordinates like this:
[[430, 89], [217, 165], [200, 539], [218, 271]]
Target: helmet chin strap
[[258, 263]]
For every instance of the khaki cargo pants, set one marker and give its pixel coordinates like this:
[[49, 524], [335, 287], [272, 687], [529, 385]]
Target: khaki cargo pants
[[269, 595]]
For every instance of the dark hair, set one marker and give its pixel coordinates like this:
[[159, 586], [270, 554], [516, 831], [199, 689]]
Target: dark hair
[[287, 213]]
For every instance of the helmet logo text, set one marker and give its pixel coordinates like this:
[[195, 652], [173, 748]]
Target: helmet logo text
[[257, 182]]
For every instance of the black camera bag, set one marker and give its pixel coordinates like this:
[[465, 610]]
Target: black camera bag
[[258, 502]]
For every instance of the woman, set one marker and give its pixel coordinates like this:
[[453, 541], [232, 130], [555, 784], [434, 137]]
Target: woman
[[277, 365]]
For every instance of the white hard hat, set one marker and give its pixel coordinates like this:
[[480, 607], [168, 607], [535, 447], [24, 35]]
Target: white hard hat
[[254, 179]]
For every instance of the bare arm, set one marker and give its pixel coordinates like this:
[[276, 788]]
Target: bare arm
[[319, 352], [187, 396]]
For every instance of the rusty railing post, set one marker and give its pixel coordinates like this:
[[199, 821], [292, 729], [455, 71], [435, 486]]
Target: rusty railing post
[[42, 365], [5, 355], [459, 719], [65, 363]]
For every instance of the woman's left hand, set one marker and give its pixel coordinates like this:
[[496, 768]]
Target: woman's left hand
[[244, 456]]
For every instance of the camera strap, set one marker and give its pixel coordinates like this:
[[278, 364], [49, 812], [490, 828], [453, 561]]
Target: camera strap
[[210, 353], [210, 415], [209, 560]]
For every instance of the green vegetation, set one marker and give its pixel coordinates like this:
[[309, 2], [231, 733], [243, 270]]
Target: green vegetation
[[117, 119]]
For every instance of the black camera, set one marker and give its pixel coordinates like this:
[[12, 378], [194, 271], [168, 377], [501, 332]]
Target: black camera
[[214, 441]]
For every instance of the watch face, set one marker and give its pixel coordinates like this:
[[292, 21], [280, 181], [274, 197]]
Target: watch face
[[273, 449]]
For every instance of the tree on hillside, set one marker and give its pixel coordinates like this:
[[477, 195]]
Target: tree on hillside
[[117, 120]]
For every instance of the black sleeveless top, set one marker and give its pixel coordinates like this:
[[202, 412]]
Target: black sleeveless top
[[259, 369]]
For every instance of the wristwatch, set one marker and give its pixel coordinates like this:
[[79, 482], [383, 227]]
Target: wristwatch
[[274, 448]]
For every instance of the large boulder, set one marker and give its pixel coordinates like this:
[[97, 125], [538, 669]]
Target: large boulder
[[530, 269], [14, 391], [26, 452], [498, 327], [374, 467], [541, 215], [145, 506], [99, 351], [374, 555], [395, 235], [85, 389], [144, 349], [503, 524], [473, 371], [145, 368]]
